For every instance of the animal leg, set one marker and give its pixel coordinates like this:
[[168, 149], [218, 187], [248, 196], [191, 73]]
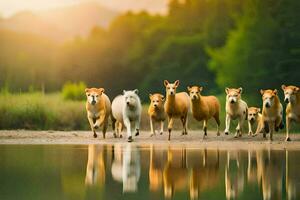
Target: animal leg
[[151, 127], [250, 128], [227, 124], [120, 129], [239, 128], [170, 126], [92, 126], [99, 122], [104, 129], [184, 124], [288, 122], [161, 127], [218, 123], [113, 124], [128, 127], [272, 129], [137, 127], [205, 128]]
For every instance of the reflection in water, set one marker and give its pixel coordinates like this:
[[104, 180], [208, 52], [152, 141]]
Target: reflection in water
[[126, 167], [234, 174], [127, 171], [95, 170]]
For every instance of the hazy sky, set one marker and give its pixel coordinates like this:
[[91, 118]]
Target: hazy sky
[[9, 7]]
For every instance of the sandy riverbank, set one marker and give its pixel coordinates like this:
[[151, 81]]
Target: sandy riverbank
[[194, 139]]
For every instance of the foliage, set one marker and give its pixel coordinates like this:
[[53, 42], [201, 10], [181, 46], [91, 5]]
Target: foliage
[[74, 91], [216, 43]]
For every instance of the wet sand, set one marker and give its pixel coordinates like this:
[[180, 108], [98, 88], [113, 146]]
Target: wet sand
[[193, 140]]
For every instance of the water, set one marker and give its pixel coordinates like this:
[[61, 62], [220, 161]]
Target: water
[[126, 171]]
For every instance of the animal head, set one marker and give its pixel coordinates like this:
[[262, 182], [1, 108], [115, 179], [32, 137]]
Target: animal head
[[233, 94], [157, 100], [195, 92], [268, 97], [93, 95], [171, 87], [290, 93], [253, 113], [131, 97]]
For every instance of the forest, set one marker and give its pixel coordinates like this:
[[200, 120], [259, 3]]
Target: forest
[[252, 44]]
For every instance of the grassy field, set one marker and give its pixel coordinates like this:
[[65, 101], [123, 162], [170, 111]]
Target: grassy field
[[37, 111]]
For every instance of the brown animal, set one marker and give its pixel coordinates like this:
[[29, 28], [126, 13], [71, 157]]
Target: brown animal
[[255, 117], [204, 107], [176, 106], [272, 111], [98, 109], [156, 112], [292, 98]]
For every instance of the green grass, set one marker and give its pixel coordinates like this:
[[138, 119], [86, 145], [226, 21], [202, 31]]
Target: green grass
[[38, 111]]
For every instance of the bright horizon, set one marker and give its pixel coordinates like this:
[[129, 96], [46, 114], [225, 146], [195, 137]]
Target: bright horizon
[[11, 7]]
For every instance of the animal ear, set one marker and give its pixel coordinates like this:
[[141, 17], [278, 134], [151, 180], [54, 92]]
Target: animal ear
[[200, 88], [166, 83], [296, 89], [240, 90], [101, 90], [283, 87], [258, 109], [124, 91], [262, 91], [162, 97], [87, 90], [275, 91], [150, 96], [188, 88], [136, 91], [227, 90], [176, 83]]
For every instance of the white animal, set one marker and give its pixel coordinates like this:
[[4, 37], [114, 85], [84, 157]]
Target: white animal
[[236, 108], [127, 110]]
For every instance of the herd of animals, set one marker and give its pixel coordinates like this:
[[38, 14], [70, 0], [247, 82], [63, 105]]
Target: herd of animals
[[126, 109]]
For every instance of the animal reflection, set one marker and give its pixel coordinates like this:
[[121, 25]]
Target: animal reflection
[[184, 169], [204, 171], [234, 174], [175, 170], [157, 162], [175, 174], [95, 170], [126, 167], [292, 175]]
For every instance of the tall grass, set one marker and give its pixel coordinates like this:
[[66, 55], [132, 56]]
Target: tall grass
[[41, 112]]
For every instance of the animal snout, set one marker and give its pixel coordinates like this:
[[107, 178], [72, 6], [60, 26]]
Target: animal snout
[[172, 93], [252, 119], [286, 100], [268, 105], [93, 102], [155, 105], [232, 101], [127, 102]]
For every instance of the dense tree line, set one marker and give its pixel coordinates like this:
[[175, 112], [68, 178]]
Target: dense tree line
[[215, 43]]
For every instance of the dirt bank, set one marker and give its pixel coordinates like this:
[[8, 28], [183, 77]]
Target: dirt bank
[[194, 139]]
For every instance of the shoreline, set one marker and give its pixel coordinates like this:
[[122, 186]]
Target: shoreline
[[193, 140]]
